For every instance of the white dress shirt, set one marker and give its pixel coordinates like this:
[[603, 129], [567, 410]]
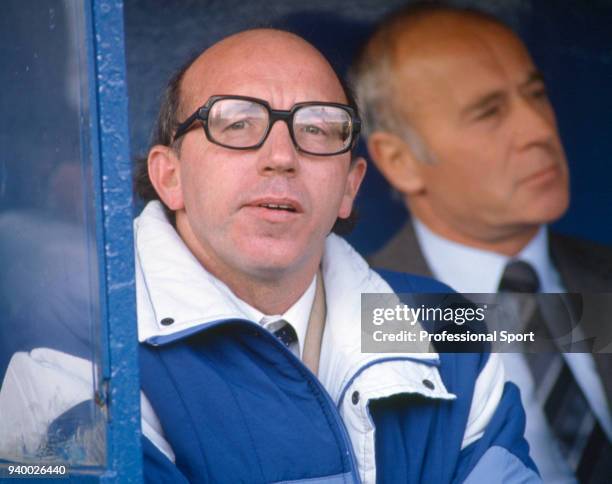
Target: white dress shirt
[[297, 315], [470, 270]]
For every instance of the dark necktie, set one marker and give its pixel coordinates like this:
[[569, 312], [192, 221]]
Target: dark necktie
[[580, 437], [286, 334]]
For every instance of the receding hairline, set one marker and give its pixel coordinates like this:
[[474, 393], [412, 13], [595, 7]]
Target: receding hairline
[[269, 39], [417, 31], [401, 34]]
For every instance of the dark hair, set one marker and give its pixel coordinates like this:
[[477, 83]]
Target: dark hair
[[167, 121]]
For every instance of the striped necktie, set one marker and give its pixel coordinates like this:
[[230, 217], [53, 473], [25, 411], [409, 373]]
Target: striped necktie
[[580, 436]]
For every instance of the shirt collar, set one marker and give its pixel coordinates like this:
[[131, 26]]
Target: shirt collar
[[470, 270], [297, 315]]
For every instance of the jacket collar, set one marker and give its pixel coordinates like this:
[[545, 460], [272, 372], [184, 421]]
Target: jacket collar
[[171, 284]]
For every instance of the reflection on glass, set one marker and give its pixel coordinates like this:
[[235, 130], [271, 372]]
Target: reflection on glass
[[49, 299]]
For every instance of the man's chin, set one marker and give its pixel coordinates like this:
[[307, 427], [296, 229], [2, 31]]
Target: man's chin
[[549, 209], [543, 206], [270, 262], [271, 257]]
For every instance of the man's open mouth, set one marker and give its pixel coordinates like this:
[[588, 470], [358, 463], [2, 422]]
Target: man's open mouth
[[278, 206]]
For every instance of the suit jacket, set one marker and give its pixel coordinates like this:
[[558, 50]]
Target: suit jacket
[[584, 267]]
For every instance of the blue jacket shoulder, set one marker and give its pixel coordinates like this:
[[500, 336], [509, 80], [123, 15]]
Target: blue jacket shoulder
[[404, 282]]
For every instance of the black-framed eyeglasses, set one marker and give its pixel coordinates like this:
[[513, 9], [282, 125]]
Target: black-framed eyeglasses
[[243, 123]]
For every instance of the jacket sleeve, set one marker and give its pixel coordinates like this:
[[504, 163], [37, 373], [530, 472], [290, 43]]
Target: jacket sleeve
[[477, 437], [38, 388], [501, 453], [157, 467]]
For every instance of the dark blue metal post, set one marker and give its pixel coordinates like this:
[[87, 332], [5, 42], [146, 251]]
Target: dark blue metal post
[[115, 211]]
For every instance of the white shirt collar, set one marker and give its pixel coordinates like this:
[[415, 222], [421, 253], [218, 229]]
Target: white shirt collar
[[470, 270], [297, 315]]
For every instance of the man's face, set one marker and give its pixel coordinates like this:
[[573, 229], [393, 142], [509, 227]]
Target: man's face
[[481, 108], [228, 219]]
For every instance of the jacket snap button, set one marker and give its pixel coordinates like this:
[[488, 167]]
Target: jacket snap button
[[429, 384], [167, 321], [355, 398]]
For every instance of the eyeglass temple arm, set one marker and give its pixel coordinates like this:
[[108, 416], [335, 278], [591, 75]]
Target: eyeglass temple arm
[[356, 131], [186, 125]]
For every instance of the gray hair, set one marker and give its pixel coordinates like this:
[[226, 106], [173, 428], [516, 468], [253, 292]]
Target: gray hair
[[372, 77]]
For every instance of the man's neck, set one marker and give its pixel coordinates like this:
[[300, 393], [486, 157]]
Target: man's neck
[[271, 291], [507, 241], [268, 296]]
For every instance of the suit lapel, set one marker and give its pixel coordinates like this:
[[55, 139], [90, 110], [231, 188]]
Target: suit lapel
[[586, 268], [583, 266], [402, 253]]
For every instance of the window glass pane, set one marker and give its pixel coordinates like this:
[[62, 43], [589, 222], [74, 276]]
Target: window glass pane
[[49, 294]]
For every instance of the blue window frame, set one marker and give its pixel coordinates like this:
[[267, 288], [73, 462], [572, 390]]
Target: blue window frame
[[114, 201], [66, 247]]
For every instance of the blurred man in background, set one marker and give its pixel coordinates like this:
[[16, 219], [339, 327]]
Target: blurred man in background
[[459, 123]]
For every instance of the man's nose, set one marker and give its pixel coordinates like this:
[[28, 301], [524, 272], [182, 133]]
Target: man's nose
[[534, 122], [278, 154]]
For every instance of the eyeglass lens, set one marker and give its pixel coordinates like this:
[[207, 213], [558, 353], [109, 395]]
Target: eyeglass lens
[[318, 129]]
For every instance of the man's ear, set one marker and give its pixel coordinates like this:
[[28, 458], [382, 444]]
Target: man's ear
[[165, 175], [396, 161], [356, 173]]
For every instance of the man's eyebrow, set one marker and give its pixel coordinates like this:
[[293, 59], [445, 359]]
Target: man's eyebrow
[[482, 102], [534, 77]]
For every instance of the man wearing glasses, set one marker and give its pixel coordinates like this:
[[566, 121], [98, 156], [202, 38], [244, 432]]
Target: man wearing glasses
[[249, 312], [249, 307]]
